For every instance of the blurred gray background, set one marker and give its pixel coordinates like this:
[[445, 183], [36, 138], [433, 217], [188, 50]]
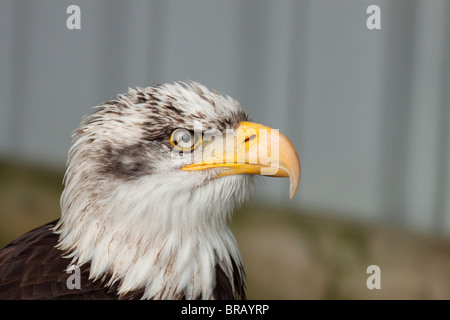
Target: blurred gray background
[[367, 110]]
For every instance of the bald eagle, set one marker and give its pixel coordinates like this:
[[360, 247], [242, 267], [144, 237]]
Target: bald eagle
[[152, 178]]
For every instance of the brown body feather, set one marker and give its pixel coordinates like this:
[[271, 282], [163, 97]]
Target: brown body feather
[[31, 267]]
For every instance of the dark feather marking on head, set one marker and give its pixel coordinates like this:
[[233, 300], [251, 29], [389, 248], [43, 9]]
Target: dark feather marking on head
[[154, 97], [161, 136], [175, 110], [142, 99], [127, 163], [201, 94], [118, 103], [231, 122], [114, 111]]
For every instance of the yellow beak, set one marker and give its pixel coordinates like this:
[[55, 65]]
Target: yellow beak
[[252, 149]]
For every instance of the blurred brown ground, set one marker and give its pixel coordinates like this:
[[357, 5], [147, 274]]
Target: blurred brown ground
[[289, 254]]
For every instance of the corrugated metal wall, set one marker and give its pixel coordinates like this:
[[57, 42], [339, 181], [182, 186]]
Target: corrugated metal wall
[[368, 110]]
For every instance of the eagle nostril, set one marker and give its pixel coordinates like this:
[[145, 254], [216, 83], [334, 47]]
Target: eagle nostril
[[253, 136]]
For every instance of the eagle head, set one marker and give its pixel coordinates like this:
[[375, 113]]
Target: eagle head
[[152, 178]]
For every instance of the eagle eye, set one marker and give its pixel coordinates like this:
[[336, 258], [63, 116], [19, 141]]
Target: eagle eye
[[185, 139]]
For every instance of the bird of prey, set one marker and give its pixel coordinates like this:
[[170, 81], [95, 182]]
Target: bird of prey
[[152, 178]]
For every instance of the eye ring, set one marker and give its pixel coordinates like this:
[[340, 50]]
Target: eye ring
[[184, 139]]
